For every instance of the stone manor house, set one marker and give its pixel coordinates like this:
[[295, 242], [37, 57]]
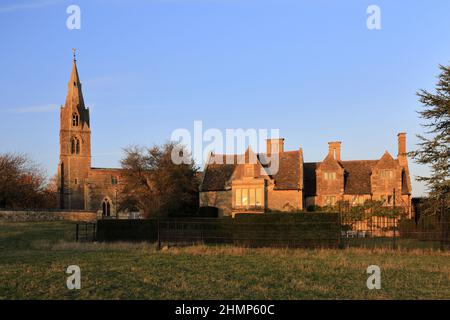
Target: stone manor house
[[236, 187]]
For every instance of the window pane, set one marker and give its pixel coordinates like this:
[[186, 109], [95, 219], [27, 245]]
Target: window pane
[[259, 197], [252, 197], [238, 197], [245, 197]]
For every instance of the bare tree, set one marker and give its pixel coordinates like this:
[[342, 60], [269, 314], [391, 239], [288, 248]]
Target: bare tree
[[23, 184], [157, 186]]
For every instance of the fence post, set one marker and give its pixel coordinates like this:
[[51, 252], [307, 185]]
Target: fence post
[[444, 225], [340, 241], [394, 244], [159, 234]]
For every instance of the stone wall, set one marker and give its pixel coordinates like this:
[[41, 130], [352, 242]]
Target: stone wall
[[23, 216], [100, 188], [219, 199], [284, 200]]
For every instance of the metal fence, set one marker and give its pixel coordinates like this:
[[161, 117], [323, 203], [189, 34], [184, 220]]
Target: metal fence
[[367, 232], [248, 233], [86, 231]]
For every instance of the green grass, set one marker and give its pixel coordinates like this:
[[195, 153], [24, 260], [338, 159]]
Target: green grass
[[34, 257]]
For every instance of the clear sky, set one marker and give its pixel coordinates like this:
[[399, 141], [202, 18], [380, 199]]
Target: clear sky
[[310, 68]]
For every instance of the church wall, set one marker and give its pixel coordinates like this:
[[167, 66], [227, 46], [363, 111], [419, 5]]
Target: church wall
[[100, 187]]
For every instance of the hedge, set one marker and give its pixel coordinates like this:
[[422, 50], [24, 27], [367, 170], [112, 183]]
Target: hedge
[[299, 229]]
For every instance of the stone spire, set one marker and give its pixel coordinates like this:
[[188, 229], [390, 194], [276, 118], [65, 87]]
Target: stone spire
[[74, 99]]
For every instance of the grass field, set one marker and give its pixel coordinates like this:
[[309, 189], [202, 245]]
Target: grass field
[[34, 258]]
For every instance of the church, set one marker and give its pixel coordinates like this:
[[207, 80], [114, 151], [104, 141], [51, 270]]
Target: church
[[81, 186]]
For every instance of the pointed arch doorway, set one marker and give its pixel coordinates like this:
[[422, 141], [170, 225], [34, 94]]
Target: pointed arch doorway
[[106, 208]]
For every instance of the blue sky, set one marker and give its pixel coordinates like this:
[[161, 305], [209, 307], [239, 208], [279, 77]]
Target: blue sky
[[310, 68]]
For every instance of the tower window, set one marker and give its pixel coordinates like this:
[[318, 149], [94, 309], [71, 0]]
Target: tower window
[[75, 120], [75, 146], [106, 208]]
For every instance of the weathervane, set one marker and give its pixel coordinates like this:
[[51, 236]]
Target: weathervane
[[74, 54]]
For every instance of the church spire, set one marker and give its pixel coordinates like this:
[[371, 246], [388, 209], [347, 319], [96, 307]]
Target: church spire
[[74, 99], [74, 77]]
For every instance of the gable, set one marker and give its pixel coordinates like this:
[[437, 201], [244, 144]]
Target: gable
[[357, 176]]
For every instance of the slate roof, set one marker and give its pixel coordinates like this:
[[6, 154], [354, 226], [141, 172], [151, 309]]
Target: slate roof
[[217, 175], [357, 176], [289, 172]]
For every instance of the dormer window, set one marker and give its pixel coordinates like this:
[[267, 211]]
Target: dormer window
[[75, 120], [75, 146]]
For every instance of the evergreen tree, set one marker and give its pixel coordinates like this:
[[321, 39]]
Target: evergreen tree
[[434, 147]]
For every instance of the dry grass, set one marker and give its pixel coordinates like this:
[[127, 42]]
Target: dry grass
[[34, 258]]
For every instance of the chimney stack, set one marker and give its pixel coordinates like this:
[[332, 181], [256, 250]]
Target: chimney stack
[[334, 150], [275, 146], [402, 148]]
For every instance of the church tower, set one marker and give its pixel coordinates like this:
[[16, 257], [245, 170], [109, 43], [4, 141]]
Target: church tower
[[75, 147]]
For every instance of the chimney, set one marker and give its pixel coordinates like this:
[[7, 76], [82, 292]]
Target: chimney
[[334, 150], [402, 148], [275, 146]]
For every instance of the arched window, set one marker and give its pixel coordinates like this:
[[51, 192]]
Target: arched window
[[75, 119], [75, 146], [106, 208]]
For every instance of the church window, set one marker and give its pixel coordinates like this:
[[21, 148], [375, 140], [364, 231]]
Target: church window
[[106, 208], [75, 120], [75, 146]]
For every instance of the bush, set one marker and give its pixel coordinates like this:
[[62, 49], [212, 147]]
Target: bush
[[253, 230], [208, 212], [127, 230], [284, 229]]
